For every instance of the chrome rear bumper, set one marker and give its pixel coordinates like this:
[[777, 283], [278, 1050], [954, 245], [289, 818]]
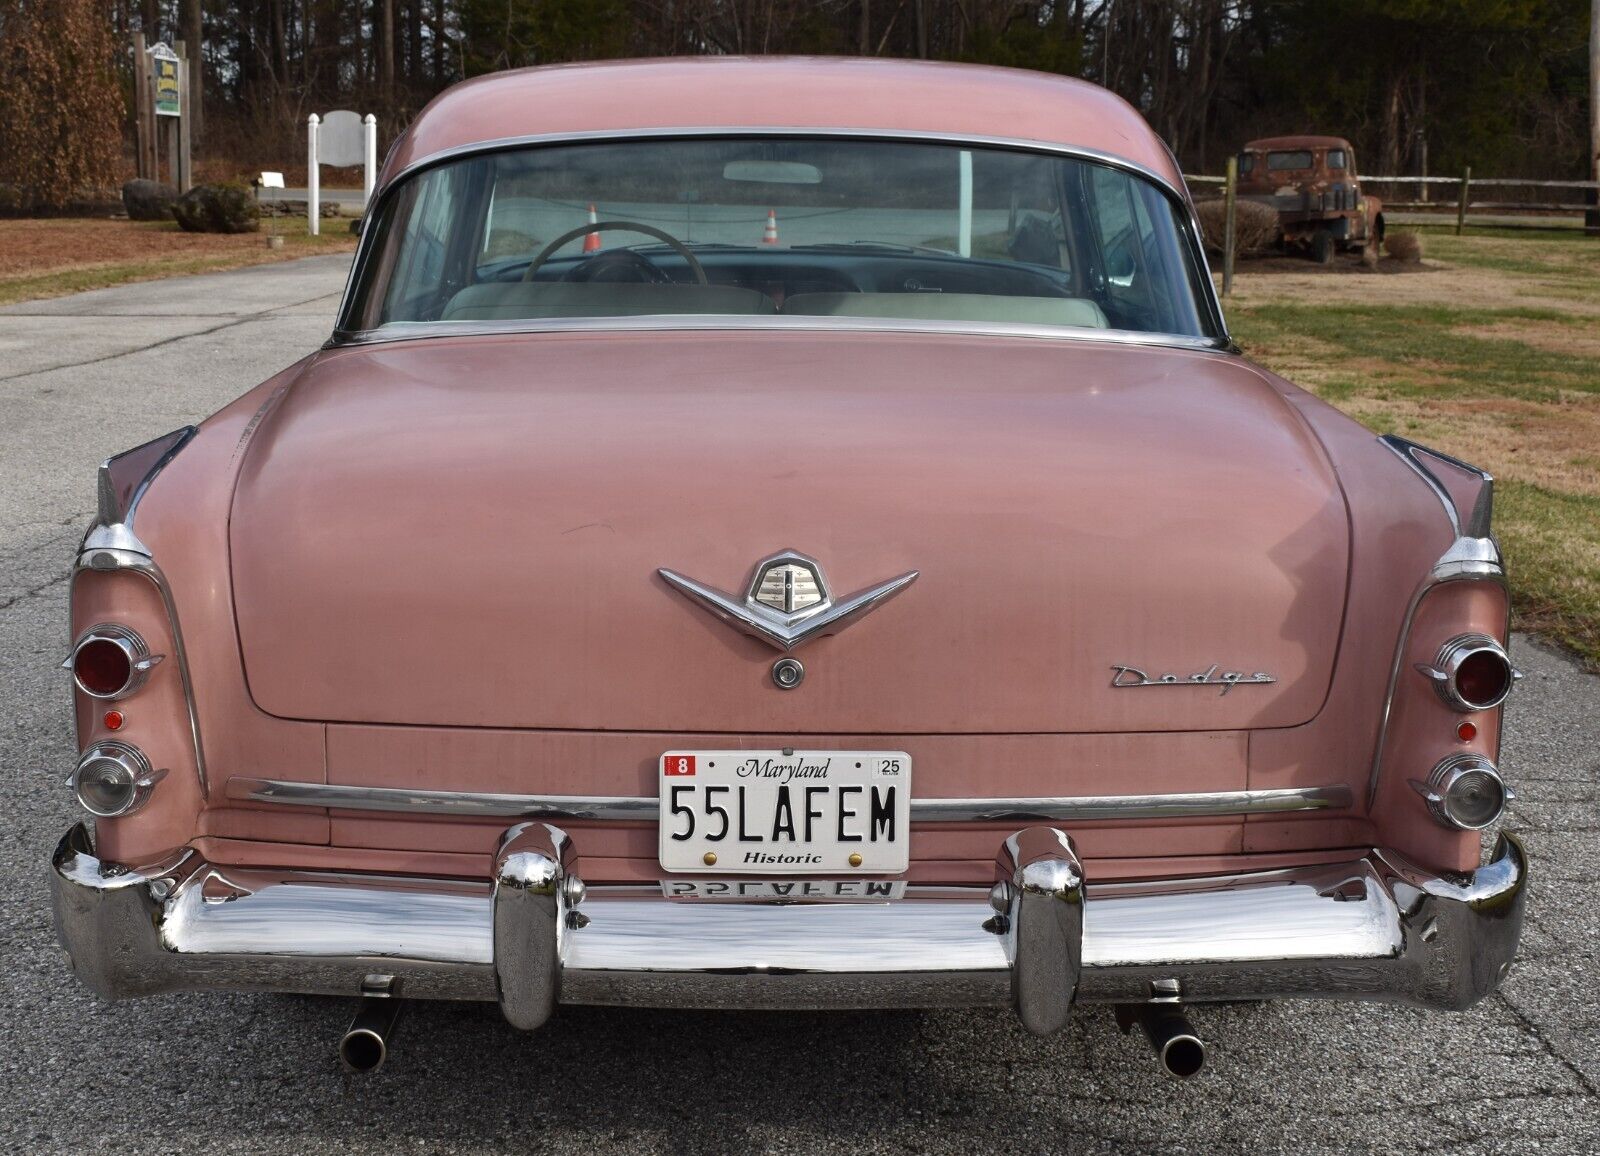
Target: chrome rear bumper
[[1040, 940]]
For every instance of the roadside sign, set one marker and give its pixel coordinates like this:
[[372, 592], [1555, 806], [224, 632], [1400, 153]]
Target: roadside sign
[[164, 70]]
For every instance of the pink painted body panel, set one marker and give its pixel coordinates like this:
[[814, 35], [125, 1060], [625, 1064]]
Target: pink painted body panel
[[778, 92], [484, 553]]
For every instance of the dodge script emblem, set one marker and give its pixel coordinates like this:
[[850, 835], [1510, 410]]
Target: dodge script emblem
[[788, 602]]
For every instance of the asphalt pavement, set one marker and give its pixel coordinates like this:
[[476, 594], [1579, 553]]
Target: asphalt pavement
[[85, 376]]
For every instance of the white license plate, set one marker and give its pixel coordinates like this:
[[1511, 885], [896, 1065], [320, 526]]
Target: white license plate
[[786, 812]]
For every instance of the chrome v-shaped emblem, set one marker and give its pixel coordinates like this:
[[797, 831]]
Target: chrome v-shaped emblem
[[788, 602]]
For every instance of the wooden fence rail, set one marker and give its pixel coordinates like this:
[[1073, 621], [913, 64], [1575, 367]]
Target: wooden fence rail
[[1462, 203]]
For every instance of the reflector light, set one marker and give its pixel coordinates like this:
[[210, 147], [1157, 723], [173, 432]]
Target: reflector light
[[110, 661], [113, 779], [113, 720], [1466, 732], [1465, 791]]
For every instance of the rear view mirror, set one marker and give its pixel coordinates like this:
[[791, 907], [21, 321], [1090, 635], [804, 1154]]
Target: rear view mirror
[[772, 172]]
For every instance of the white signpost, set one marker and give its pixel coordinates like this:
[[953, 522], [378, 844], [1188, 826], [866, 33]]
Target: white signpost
[[340, 138]]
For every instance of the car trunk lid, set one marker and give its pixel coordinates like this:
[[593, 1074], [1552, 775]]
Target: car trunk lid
[[467, 532]]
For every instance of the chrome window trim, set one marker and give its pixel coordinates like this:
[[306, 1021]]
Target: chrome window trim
[[616, 808], [1473, 556], [111, 544], [1178, 193], [705, 322]]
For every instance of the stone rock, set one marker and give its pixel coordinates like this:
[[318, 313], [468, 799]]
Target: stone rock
[[148, 200], [217, 209], [298, 208]]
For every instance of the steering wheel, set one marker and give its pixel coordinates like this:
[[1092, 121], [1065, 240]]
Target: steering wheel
[[632, 226]]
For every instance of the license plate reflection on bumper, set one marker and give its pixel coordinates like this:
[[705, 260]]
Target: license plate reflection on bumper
[[789, 813]]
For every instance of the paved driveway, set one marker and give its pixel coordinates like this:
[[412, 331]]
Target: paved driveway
[[85, 376]]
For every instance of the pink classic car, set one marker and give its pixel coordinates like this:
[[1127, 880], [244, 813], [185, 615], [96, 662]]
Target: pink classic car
[[787, 534]]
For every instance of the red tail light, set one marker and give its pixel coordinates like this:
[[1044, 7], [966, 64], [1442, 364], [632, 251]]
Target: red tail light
[[110, 662], [1484, 678], [1472, 672]]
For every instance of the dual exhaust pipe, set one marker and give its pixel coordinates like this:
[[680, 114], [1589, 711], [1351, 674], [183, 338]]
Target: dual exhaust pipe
[[1178, 1047]]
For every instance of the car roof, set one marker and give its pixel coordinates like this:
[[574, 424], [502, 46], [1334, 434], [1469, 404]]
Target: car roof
[[794, 94], [1297, 142]]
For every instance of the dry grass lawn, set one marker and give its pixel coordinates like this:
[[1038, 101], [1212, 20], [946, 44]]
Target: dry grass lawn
[[49, 258], [1491, 353]]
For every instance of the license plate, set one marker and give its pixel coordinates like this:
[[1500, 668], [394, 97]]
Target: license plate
[[785, 890], [786, 812]]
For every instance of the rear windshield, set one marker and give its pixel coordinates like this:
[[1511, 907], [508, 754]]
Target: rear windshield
[[1277, 162], [792, 226]]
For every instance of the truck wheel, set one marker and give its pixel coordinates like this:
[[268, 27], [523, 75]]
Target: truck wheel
[[1322, 247]]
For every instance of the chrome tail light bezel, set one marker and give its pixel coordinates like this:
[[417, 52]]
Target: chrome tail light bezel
[[1442, 781], [133, 769], [133, 646], [1445, 671]]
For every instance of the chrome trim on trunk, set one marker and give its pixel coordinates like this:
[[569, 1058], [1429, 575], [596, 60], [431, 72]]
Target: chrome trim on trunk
[[476, 804]]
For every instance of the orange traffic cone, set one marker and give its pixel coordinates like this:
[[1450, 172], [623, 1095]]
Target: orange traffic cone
[[591, 241], [769, 236]]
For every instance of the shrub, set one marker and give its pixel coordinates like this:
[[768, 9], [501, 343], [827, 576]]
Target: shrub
[[62, 130], [1403, 246], [1255, 226]]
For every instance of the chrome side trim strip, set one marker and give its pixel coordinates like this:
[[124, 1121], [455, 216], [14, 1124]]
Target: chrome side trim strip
[[472, 804], [1198, 805], [1178, 193]]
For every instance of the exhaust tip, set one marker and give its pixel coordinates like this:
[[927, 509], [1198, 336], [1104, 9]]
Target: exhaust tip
[[1183, 1056], [365, 1043], [1178, 1047], [362, 1050]]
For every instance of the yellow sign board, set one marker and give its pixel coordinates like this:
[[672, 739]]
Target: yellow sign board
[[164, 66]]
